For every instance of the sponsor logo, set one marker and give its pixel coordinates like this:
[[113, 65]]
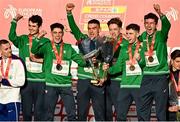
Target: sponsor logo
[[11, 11]]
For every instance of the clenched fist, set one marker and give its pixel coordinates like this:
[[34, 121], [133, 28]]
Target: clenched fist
[[69, 7], [18, 17], [157, 9]]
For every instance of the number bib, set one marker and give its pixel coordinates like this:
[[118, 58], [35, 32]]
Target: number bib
[[65, 68], [133, 70], [152, 61], [33, 66]]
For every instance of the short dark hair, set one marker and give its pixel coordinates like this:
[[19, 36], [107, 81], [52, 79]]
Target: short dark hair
[[36, 19], [56, 25], [3, 41], [133, 27], [151, 16], [94, 21], [115, 20], [175, 54]]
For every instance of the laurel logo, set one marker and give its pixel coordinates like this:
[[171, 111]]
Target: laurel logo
[[11, 11], [172, 14]]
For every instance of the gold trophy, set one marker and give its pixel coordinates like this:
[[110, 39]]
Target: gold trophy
[[98, 47], [94, 66], [107, 53]]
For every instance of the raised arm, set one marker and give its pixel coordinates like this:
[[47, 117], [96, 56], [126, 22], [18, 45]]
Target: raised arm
[[166, 25], [74, 28], [16, 40], [38, 45]]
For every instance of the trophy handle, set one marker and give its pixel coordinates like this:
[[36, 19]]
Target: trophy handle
[[105, 74], [93, 69]]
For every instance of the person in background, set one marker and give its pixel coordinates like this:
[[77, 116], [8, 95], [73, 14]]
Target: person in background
[[12, 77], [174, 86]]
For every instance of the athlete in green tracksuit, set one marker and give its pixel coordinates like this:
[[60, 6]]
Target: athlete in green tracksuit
[[33, 91], [113, 82], [58, 57], [155, 83], [130, 61], [87, 90]]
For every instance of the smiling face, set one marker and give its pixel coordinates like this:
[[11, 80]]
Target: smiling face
[[93, 30], [33, 28], [131, 35], [57, 34], [150, 26], [114, 30]]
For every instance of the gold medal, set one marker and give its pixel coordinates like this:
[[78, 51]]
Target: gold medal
[[150, 59], [132, 67]]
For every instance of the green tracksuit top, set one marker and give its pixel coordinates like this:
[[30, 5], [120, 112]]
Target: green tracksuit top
[[34, 70], [83, 72], [160, 46], [128, 81], [52, 76], [117, 76]]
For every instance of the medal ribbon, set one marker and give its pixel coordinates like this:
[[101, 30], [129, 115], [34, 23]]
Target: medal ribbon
[[7, 68], [30, 44], [132, 57], [177, 85], [58, 57], [150, 48], [118, 43]]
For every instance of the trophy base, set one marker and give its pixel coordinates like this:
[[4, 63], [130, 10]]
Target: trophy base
[[94, 81]]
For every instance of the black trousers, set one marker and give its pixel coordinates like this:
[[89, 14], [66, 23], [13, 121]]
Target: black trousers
[[87, 92], [125, 98], [171, 116], [51, 97], [111, 94], [153, 87], [32, 95]]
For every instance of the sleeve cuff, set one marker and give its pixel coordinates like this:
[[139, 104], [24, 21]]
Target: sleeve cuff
[[162, 16], [69, 13], [14, 21]]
